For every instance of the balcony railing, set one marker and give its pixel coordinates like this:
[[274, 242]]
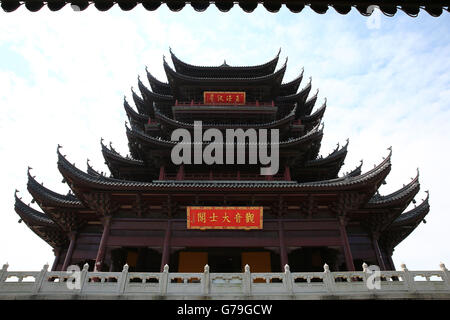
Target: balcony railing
[[298, 285]]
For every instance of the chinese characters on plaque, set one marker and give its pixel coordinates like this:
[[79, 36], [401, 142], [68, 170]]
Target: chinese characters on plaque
[[223, 97], [224, 217]]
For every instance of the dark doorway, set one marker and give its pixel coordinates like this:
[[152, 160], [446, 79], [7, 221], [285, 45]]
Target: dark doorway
[[138, 259], [312, 259]]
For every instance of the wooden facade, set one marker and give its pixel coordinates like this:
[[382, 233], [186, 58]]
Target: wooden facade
[[137, 215]]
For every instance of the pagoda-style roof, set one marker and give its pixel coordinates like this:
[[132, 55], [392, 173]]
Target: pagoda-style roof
[[224, 70], [147, 184], [187, 88], [388, 7], [404, 224], [291, 87], [47, 197], [402, 196], [157, 85], [78, 178], [40, 223]]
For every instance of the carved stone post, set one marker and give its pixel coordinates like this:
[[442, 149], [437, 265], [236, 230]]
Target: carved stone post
[[40, 279], [328, 278], [288, 279], [164, 281], [206, 280], [446, 274], [123, 279], [247, 280], [3, 274]]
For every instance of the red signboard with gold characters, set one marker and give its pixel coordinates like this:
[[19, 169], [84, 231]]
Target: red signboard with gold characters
[[225, 218], [223, 97]]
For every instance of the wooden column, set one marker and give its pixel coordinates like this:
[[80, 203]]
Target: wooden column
[[391, 262], [347, 251], [57, 252], [101, 249], [162, 173], [287, 173], [166, 247], [283, 252], [180, 173], [376, 247], [73, 238]]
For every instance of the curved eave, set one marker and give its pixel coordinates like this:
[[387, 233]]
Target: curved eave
[[40, 224], [337, 157], [47, 197], [404, 225], [31, 216], [388, 8], [299, 97], [273, 124], [402, 196], [174, 76], [137, 136], [192, 70], [291, 87], [80, 178], [153, 96], [413, 216], [140, 137], [316, 116], [157, 85], [309, 104], [113, 158], [355, 172], [133, 115], [92, 171]]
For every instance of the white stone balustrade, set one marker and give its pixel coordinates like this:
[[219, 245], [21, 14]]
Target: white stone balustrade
[[82, 284]]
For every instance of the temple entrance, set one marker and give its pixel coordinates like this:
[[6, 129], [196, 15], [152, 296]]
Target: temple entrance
[[224, 260], [138, 259], [312, 259]]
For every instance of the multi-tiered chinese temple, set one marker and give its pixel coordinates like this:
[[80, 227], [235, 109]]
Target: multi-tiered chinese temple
[[305, 215]]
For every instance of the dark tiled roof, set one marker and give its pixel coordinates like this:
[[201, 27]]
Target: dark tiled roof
[[30, 215], [224, 69], [408, 191], [69, 171], [388, 7], [45, 195]]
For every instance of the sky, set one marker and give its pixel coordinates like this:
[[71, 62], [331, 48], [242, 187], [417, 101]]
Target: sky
[[63, 76]]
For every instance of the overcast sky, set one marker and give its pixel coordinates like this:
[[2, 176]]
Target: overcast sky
[[63, 76]]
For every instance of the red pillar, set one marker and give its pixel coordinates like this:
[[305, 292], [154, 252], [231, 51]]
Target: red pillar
[[287, 173], [72, 237], [376, 247], [101, 249], [347, 251], [283, 252], [166, 247], [162, 173], [180, 173], [57, 252]]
